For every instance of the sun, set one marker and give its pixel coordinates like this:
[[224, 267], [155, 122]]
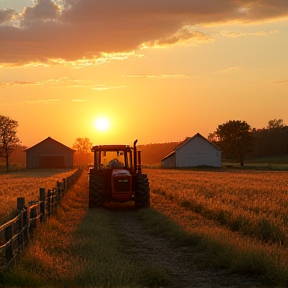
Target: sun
[[102, 124]]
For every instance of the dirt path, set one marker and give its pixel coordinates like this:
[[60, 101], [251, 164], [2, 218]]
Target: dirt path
[[176, 261]]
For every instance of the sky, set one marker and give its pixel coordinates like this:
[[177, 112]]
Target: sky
[[157, 70]]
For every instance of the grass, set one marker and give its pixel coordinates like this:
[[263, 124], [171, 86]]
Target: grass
[[12, 167], [216, 247], [237, 218], [78, 248], [253, 203], [26, 183], [261, 163]]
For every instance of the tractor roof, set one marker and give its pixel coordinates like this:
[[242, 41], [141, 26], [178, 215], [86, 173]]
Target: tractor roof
[[111, 148]]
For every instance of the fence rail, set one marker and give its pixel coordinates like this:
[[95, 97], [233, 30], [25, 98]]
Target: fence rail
[[15, 234]]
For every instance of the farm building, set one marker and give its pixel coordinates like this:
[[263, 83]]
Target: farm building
[[49, 153], [193, 152]]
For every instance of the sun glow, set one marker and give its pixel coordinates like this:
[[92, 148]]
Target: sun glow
[[102, 124]]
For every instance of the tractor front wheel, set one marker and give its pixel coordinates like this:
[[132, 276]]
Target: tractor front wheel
[[96, 191], [142, 194]]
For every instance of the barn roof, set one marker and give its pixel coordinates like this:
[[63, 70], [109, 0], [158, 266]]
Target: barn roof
[[188, 139], [51, 140]]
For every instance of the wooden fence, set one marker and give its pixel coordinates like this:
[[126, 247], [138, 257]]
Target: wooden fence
[[15, 234]]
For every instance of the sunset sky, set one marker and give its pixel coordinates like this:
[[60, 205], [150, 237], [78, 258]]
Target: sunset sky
[[157, 70]]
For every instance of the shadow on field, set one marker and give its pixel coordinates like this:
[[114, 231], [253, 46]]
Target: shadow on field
[[116, 207]]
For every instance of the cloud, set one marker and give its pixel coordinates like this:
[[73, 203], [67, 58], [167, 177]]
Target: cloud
[[29, 101], [17, 83], [104, 88], [185, 35], [240, 34], [47, 33], [154, 76], [43, 10], [7, 15], [57, 82]]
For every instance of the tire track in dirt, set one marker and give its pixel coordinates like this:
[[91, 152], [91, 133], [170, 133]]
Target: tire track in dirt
[[160, 252]]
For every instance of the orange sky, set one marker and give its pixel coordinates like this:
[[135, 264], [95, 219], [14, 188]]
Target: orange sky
[[159, 70]]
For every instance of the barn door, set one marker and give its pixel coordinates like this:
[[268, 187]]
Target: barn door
[[52, 162]]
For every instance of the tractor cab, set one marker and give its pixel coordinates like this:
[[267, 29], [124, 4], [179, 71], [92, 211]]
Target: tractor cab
[[117, 156]]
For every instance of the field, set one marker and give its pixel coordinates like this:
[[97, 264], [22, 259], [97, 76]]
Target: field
[[232, 220], [25, 183], [244, 211], [254, 203]]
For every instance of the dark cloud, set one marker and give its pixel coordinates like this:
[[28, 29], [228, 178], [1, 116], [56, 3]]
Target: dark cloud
[[44, 10], [6, 15], [85, 28]]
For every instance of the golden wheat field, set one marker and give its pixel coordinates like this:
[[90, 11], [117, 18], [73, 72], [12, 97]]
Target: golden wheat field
[[252, 202], [26, 184]]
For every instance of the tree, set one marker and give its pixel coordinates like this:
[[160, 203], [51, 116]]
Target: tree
[[275, 123], [82, 146], [212, 137], [235, 138], [8, 138]]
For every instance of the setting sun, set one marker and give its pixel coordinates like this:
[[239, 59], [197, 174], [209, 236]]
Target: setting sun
[[102, 124]]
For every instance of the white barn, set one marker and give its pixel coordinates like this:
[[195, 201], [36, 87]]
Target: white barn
[[193, 152]]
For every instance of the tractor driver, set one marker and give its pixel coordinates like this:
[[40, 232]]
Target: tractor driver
[[115, 163]]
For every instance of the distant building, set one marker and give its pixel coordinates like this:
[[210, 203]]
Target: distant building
[[193, 152], [49, 153]]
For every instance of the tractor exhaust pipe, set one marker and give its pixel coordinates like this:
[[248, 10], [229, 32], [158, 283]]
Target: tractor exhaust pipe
[[139, 162], [135, 155]]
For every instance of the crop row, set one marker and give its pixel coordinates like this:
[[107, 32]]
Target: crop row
[[252, 203]]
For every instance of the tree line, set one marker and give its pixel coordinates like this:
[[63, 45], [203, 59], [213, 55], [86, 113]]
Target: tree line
[[236, 138]]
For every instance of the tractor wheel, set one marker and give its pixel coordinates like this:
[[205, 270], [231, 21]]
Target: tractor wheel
[[96, 191], [142, 194]]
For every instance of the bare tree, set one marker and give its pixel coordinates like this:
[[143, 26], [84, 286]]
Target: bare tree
[[82, 147], [8, 138]]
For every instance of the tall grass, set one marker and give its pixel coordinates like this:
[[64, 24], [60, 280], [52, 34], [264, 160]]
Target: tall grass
[[26, 183], [239, 216], [253, 203]]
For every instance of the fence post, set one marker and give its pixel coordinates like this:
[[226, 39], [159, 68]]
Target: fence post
[[8, 248], [42, 198], [20, 203]]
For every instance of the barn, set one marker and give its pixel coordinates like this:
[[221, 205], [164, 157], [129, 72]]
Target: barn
[[49, 153], [193, 152]]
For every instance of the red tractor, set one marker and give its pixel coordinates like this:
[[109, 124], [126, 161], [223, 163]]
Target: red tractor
[[117, 176]]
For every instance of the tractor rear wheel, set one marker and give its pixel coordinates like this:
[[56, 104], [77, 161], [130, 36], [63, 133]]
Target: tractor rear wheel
[[142, 194], [96, 191]]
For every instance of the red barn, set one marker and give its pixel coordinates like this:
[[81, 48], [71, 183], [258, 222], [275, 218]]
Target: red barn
[[49, 153]]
